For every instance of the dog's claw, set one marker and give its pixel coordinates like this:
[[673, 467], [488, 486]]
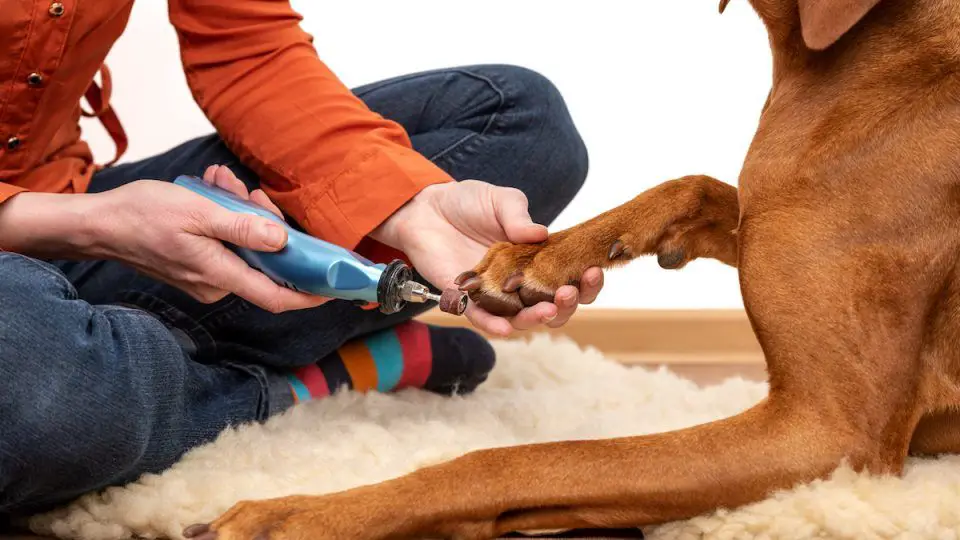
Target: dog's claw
[[471, 284], [198, 531], [617, 249], [464, 276], [513, 282]]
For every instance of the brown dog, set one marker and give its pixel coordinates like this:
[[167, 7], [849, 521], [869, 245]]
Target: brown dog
[[845, 230]]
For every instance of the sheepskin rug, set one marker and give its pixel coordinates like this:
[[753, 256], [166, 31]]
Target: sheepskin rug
[[541, 390]]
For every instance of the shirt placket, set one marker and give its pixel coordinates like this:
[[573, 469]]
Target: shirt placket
[[37, 68]]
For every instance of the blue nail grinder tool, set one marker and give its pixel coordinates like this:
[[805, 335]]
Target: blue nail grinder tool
[[308, 264]]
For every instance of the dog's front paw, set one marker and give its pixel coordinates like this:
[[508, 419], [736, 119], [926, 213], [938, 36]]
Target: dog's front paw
[[514, 276]]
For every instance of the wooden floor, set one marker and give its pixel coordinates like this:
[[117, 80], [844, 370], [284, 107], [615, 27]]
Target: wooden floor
[[706, 346]]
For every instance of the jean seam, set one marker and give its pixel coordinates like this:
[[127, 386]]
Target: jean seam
[[230, 310], [402, 79], [259, 373], [494, 117], [213, 317]]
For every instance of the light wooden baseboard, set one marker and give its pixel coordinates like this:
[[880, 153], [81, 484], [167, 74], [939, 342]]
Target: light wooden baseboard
[[705, 345]]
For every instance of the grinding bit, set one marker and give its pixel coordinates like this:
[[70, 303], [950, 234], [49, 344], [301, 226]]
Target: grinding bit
[[453, 301]]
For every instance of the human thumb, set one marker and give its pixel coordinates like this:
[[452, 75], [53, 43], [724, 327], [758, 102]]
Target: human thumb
[[248, 231], [514, 216]]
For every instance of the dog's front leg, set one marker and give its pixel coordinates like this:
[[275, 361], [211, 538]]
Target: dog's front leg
[[678, 221], [618, 483]]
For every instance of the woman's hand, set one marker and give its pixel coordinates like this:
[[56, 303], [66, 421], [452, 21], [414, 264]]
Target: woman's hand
[[161, 229], [447, 228]]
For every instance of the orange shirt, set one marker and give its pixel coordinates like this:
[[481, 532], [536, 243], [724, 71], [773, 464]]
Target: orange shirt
[[335, 166]]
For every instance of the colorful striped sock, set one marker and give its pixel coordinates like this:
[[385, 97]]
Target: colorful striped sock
[[410, 355]]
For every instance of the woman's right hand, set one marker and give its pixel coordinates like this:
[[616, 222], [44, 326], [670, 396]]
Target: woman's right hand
[[161, 229]]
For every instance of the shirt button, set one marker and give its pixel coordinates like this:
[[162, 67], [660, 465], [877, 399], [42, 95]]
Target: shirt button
[[34, 79], [56, 9], [13, 143]]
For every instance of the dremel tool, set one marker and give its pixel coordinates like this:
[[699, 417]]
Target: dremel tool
[[308, 264]]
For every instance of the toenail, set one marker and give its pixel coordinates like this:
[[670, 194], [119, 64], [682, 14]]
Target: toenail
[[513, 282], [617, 249], [471, 284], [464, 276], [196, 530]]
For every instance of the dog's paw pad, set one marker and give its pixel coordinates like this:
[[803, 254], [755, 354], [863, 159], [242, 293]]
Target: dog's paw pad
[[671, 259], [532, 296], [496, 303]]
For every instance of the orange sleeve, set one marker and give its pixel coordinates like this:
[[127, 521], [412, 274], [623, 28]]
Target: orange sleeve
[[9, 190], [322, 155]]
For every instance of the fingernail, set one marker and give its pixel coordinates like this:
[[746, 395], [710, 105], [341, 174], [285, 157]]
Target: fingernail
[[272, 235], [549, 318], [566, 297]]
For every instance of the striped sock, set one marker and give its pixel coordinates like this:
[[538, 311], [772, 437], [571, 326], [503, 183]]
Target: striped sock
[[409, 355]]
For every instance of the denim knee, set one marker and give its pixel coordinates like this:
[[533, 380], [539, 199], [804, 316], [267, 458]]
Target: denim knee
[[558, 161], [59, 407]]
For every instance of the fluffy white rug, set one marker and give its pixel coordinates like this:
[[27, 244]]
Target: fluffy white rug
[[541, 391]]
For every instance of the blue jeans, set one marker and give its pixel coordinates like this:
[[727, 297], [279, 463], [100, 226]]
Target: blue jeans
[[107, 374]]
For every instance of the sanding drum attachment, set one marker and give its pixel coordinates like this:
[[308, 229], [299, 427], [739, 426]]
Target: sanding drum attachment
[[453, 301]]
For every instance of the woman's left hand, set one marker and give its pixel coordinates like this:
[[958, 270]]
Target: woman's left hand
[[447, 228]]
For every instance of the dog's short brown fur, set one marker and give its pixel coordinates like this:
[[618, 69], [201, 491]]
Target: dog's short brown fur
[[845, 229]]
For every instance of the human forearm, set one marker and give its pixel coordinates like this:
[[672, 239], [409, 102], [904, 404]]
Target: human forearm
[[47, 225], [333, 165]]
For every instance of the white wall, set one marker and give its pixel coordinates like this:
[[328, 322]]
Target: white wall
[[659, 89]]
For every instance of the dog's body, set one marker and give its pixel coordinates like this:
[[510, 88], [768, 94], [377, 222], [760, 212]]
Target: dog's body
[[845, 232]]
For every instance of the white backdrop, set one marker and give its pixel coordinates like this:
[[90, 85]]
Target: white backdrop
[[659, 89]]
